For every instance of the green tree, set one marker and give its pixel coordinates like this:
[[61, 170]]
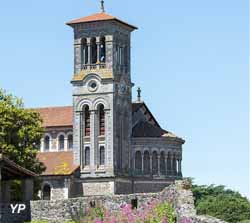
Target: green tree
[[222, 203], [20, 132]]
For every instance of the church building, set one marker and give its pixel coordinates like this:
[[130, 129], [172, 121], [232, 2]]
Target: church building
[[105, 143]]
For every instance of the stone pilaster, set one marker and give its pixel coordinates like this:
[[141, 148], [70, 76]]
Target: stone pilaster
[[92, 140]]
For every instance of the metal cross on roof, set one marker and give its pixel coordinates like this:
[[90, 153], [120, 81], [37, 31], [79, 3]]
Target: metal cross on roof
[[102, 6], [139, 94]]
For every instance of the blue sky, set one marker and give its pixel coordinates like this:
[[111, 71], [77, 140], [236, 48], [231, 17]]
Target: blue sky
[[191, 59]]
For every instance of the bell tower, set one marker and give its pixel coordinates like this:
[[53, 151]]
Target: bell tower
[[102, 102]]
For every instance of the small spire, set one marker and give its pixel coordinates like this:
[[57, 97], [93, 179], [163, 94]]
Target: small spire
[[102, 6], [139, 94]]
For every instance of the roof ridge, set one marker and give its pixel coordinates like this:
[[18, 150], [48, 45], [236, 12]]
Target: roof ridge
[[100, 16], [47, 107]]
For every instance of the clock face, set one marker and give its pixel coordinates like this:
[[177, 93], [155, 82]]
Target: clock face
[[123, 88]]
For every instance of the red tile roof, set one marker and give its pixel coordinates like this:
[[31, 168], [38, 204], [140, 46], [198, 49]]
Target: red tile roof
[[98, 17], [56, 116], [57, 163]]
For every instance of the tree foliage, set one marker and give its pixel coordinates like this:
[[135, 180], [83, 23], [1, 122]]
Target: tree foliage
[[20, 132], [222, 203]]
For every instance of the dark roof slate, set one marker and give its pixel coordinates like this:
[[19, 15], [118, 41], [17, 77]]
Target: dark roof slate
[[146, 129]]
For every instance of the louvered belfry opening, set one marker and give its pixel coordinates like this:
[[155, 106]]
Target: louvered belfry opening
[[87, 121], [101, 120]]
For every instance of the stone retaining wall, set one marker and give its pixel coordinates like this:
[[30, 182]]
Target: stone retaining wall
[[178, 194]]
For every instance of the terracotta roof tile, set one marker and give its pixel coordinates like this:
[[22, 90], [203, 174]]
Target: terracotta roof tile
[[98, 17], [63, 116], [56, 116], [57, 163]]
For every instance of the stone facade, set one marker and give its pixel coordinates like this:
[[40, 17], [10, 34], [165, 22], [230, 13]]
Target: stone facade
[[112, 89]]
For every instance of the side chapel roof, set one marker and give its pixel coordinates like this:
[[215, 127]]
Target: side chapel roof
[[58, 163]]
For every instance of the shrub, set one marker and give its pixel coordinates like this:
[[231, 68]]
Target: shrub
[[155, 212]]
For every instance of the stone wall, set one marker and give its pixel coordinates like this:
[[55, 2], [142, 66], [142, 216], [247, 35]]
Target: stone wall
[[178, 194]]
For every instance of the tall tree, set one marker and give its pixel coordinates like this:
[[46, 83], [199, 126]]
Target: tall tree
[[222, 203], [20, 132]]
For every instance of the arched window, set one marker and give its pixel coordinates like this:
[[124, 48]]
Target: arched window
[[61, 142], [101, 120], [46, 192], [162, 163], [46, 143], [169, 168], [87, 156], [146, 163], [102, 49], [93, 46], [174, 165], [102, 155], [85, 53], [155, 163], [87, 121], [70, 142], [138, 162]]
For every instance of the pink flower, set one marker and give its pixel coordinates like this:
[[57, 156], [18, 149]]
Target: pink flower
[[164, 220], [186, 220]]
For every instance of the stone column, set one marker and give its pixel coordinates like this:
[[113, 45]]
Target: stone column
[[151, 164], [89, 50], [171, 166], [142, 163], [166, 164], [159, 165], [28, 189], [98, 49]]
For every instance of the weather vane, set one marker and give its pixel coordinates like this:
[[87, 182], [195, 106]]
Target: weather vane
[[102, 6]]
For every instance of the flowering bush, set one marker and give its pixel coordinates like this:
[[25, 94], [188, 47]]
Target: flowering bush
[[154, 212]]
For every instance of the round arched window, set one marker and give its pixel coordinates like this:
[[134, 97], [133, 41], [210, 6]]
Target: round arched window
[[46, 192]]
